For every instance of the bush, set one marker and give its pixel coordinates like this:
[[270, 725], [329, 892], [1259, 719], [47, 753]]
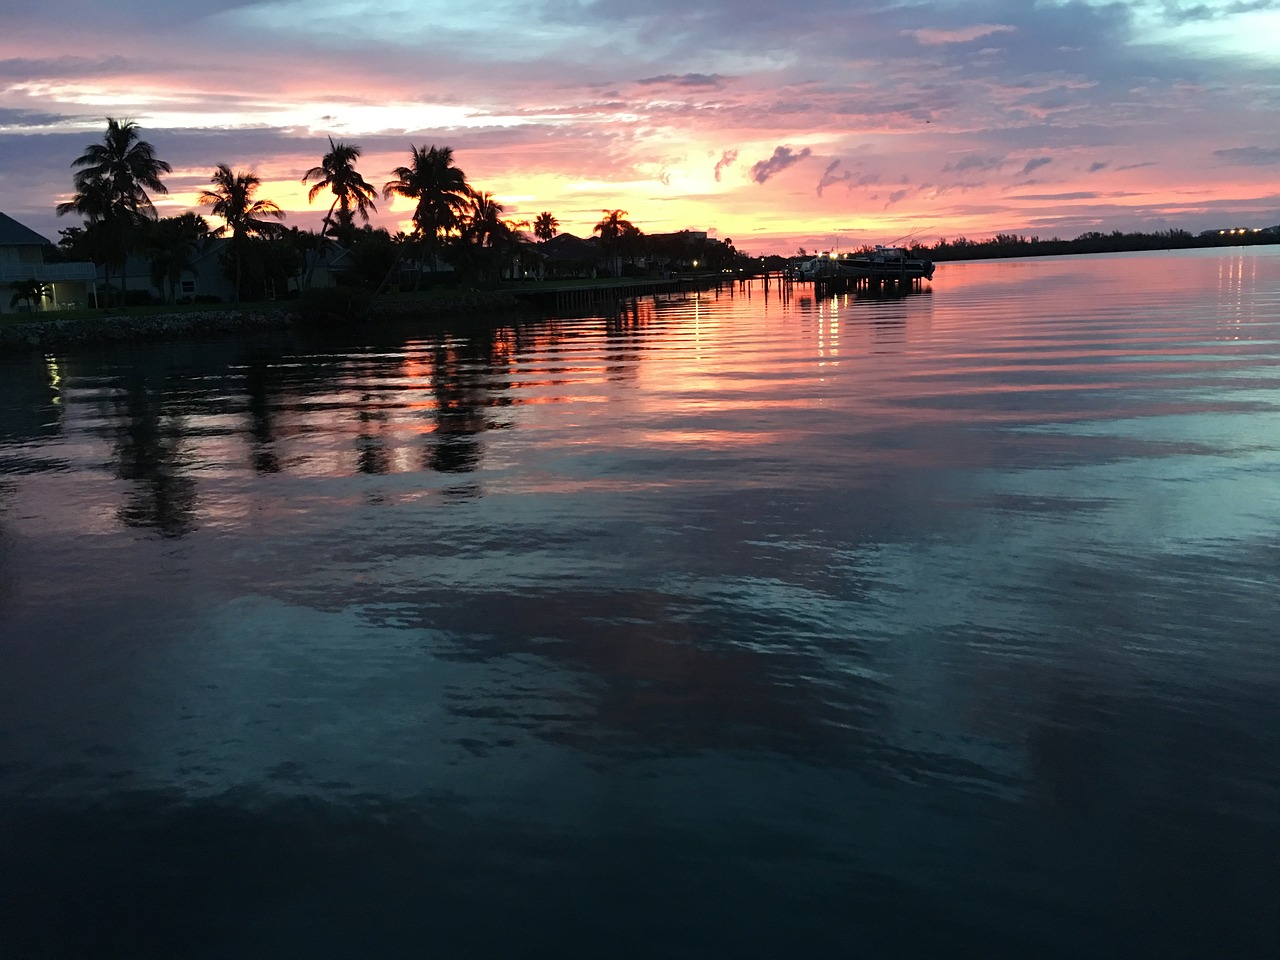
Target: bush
[[334, 304]]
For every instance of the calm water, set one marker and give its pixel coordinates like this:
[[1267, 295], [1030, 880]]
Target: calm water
[[736, 626]]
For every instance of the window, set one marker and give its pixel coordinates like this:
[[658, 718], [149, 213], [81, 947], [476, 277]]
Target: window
[[188, 286]]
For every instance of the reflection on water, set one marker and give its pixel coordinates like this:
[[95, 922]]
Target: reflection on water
[[742, 623]]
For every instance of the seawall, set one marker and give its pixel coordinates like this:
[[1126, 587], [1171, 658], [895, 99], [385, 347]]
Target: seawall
[[40, 335]]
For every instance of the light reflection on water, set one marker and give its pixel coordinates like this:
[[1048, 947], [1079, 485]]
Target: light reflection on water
[[743, 623]]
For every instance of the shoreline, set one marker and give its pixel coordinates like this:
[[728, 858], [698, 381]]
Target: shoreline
[[36, 335]]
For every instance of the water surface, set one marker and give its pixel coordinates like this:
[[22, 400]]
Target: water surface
[[739, 624]]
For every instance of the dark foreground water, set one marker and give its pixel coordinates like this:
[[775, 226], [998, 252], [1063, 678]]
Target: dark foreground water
[[737, 626]]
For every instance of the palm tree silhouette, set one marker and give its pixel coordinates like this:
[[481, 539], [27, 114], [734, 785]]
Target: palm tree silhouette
[[613, 227], [32, 291], [232, 200], [440, 189], [544, 226], [493, 241], [352, 194], [111, 183]]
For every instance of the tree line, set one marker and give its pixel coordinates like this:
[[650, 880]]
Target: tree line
[[1013, 245], [453, 222]]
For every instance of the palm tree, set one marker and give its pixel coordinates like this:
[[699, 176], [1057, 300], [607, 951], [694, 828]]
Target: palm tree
[[544, 226], [613, 227], [352, 194], [440, 189], [127, 163], [491, 239], [32, 291], [111, 182], [483, 219], [106, 227], [232, 200]]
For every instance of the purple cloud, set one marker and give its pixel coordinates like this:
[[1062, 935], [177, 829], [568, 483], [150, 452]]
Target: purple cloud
[[830, 177], [1250, 156], [782, 158], [727, 159], [712, 80]]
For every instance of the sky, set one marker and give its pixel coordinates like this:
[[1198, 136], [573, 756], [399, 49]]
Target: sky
[[825, 124]]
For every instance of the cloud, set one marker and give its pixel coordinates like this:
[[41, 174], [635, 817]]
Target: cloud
[[11, 120], [1098, 165], [727, 159], [1250, 156], [973, 161], [830, 177], [782, 158], [1055, 197], [23, 68], [712, 80], [1035, 164], [1214, 11], [936, 38]]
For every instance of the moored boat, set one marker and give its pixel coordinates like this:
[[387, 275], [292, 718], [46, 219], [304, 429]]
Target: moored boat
[[878, 265], [888, 263]]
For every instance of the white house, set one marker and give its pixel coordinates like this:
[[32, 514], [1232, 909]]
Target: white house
[[22, 258]]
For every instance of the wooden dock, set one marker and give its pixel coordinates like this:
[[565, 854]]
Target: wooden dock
[[587, 296], [885, 282]]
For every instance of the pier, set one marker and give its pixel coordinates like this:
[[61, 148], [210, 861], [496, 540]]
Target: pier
[[587, 295], [886, 281]]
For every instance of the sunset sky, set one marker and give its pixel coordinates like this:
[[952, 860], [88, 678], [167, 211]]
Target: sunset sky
[[824, 123]]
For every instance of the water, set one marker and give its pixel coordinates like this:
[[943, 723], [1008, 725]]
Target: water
[[736, 625]]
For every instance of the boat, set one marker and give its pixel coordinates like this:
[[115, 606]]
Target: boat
[[878, 265], [887, 263]]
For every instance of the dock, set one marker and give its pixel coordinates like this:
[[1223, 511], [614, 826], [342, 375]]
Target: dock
[[888, 281], [588, 295]]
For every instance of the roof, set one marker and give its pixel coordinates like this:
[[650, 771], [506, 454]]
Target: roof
[[565, 246], [14, 234]]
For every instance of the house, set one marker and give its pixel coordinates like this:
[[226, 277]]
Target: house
[[209, 277], [568, 256], [67, 285]]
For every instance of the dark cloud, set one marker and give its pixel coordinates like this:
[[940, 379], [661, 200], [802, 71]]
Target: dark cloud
[[1055, 197], [1250, 156], [727, 159], [28, 118], [1035, 164], [712, 80], [973, 161], [1098, 165], [830, 177], [782, 158], [1214, 11], [22, 68]]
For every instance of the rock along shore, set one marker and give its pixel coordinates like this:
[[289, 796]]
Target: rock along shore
[[40, 335]]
